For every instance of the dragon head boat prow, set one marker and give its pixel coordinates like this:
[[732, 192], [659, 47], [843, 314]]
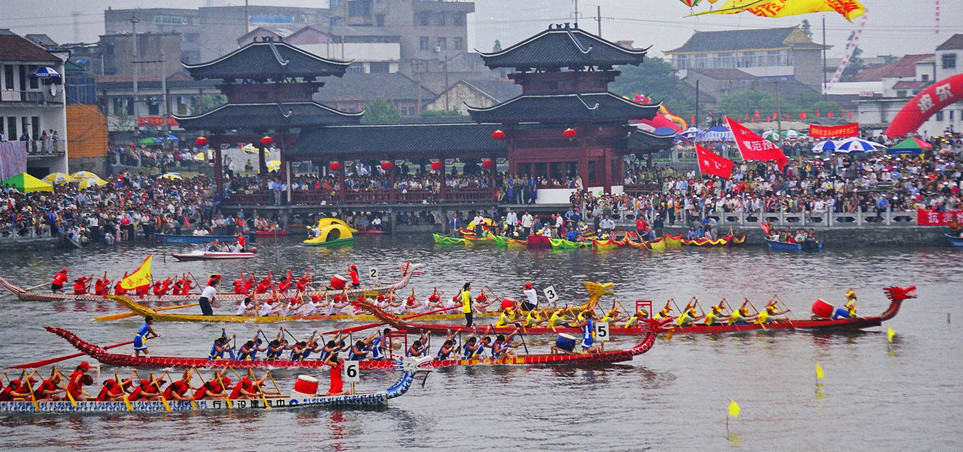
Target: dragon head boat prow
[[900, 293], [598, 289]]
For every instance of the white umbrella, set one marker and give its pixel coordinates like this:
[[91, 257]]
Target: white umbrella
[[792, 134], [80, 175], [92, 182], [824, 146], [857, 145], [771, 135]]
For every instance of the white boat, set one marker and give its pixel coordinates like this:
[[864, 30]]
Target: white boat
[[199, 255]]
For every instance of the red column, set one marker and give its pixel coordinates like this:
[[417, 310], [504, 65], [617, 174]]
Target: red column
[[394, 171], [218, 167], [443, 188]]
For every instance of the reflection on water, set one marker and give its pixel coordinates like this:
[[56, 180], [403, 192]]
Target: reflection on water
[[905, 395]]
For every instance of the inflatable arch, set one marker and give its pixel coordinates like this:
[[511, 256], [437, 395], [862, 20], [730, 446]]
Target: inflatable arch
[[929, 101]]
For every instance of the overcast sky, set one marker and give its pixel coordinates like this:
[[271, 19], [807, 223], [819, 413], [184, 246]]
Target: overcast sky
[[892, 27]]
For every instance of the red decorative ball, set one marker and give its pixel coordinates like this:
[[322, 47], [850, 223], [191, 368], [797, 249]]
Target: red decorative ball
[[201, 141], [488, 163], [437, 165], [498, 135], [569, 133], [334, 166], [267, 141], [387, 165]]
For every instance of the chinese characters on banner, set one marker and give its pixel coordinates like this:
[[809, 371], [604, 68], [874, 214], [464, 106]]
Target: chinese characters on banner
[[712, 163], [929, 101], [845, 130], [155, 121], [930, 218], [754, 147]]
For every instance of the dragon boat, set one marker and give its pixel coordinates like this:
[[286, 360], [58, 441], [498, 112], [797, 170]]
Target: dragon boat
[[199, 255], [728, 240], [447, 240], [408, 270], [775, 245], [295, 400], [822, 322], [955, 241]]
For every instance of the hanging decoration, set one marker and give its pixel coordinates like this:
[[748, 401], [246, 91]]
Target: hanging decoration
[[569, 133], [267, 141], [498, 135], [488, 163], [201, 141], [437, 165], [850, 48], [334, 166], [386, 165], [850, 9]]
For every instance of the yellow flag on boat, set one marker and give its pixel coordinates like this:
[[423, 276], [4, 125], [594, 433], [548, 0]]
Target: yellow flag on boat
[[889, 334], [819, 372], [140, 277], [734, 408], [850, 9]]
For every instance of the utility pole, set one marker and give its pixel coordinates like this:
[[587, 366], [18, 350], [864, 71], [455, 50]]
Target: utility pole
[[778, 111], [576, 11], [697, 105], [134, 69], [824, 57], [598, 16], [167, 104]]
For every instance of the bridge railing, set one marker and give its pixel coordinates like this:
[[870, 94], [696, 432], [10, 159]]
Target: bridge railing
[[794, 220]]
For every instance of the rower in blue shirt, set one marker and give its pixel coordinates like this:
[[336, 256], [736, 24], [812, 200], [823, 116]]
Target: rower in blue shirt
[[588, 332], [219, 347]]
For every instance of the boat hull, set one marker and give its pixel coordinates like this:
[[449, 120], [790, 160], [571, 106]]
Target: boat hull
[[347, 241], [168, 238], [956, 242], [206, 256], [793, 247]]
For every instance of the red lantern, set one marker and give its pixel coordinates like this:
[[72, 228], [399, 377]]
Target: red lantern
[[437, 165], [569, 133], [334, 166], [387, 165], [201, 141], [498, 135], [267, 141], [488, 163]]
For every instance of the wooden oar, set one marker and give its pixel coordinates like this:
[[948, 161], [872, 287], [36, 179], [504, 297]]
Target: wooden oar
[[220, 381], [35, 287], [69, 395], [373, 325], [167, 406], [123, 392], [62, 358], [132, 314], [258, 387]]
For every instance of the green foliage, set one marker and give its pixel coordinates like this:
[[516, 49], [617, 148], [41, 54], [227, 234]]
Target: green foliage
[[745, 102], [655, 78], [806, 28], [381, 111], [206, 102]]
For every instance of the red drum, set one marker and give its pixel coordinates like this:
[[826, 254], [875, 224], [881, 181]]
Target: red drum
[[338, 282], [306, 385], [822, 309]]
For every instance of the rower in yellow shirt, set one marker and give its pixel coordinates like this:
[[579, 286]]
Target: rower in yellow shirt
[[715, 313], [741, 316], [506, 318], [613, 314], [633, 320], [849, 311], [688, 317], [664, 312], [557, 317]]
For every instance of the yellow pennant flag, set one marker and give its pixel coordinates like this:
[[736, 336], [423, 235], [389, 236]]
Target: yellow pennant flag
[[140, 277], [819, 372], [734, 408], [850, 9], [889, 334]]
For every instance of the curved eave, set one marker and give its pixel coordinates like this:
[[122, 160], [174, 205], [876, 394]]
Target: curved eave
[[632, 56], [341, 66], [646, 111], [191, 122]]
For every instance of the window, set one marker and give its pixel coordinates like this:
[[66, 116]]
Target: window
[[442, 43], [34, 81], [951, 115], [8, 76], [939, 116], [357, 68], [440, 19], [359, 8], [35, 127], [925, 77], [949, 61], [12, 128], [380, 67], [422, 19], [901, 93], [459, 43], [153, 106], [423, 43], [380, 20], [459, 20]]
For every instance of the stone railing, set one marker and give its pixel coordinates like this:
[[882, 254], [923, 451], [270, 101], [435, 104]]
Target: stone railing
[[626, 218], [376, 196]]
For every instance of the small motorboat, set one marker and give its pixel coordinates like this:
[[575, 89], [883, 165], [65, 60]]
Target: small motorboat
[[199, 255], [786, 246]]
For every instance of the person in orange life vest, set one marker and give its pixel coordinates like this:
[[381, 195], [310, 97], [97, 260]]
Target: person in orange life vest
[[78, 378], [353, 274], [285, 283], [57, 285], [80, 286], [118, 290]]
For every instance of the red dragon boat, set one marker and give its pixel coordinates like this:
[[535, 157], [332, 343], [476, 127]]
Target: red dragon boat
[[896, 296]]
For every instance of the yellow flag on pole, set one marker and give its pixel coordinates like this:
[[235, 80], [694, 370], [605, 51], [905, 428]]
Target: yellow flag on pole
[[734, 408], [889, 334], [140, 277], [819, 372], [850, 9]]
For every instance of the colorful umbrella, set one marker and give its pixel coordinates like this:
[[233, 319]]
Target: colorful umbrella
[[84, 175], [771, 135], [26, 183], [46, 72], [910, 145], [274, 165], [201, 156], [91, 182], [857, 145], [172, 176], [824, 146], [58, 178]]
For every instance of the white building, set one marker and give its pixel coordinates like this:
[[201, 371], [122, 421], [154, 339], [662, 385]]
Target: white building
[[33, 113]]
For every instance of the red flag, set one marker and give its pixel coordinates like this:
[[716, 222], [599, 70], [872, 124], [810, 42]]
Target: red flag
[[754, 147], [802, 115], [829, 114], [710, 163], [817, 112], [758, 116], [788, 118]]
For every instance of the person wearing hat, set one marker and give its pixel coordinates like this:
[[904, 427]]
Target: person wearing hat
[[207, 296], [146, 390], [353, 274], [57, 285], [664, 312], [849, 310], [78, 378], [466, 302], [531, 297], [143, 333]]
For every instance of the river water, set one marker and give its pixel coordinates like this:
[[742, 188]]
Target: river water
[[907, 395]]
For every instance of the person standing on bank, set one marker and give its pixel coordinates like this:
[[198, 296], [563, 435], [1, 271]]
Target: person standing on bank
[[207, 296], [466, 303]]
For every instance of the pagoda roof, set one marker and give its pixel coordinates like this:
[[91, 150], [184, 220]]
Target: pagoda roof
[[563, 46], [265, 59], [554, 108], [642, 141], [376, 142], [268, 115]]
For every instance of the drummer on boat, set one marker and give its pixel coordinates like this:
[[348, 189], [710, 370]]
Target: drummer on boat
[[146, 331], [849, 310]]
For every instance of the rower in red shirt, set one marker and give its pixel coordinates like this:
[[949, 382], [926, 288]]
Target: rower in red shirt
[[111, 391], [78, 378], [102, 286], [80, 286], [265, 284], [186, 285], [57, 285], [144, 391]]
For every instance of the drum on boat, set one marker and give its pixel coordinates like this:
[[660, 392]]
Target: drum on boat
[[338, 282], [306, 384], [822, 309], [565, 342]]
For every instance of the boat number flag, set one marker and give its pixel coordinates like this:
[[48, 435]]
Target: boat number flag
[[754, 147], [140, 277], [712, 163], [734, 408]]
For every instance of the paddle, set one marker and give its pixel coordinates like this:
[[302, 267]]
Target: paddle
[[33, 397], [522, 336], [167, 406], [35, 287], [220, 381], [258, 387], [62, 358], [123, 392], [373, 325], [132, 314], [69, 395]]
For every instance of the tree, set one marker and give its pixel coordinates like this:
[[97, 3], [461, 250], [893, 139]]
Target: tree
[[655, 78], [497, 47], [806, 28], [748, 101], [855, 62], [381, 111], [206, 102]]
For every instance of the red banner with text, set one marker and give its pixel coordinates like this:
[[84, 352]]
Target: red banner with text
[[155, 121], [845, 130], [931, 218]]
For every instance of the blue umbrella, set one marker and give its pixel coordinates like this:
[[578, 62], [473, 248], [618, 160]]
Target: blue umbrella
[[856, 145], [172, 138], [664, 131], [46, 72], [824, 146]]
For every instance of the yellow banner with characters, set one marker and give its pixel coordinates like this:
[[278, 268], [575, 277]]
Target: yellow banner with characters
[[140, 278], [850, 9]]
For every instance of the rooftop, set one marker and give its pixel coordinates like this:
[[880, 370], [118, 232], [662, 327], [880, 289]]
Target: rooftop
[[375, 142], [554, 108], [267, 58], [267, 115], [954, 43], [14, 47], [743, 40], [723, 74], [366, 87], [563, 46], [905, 67]]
